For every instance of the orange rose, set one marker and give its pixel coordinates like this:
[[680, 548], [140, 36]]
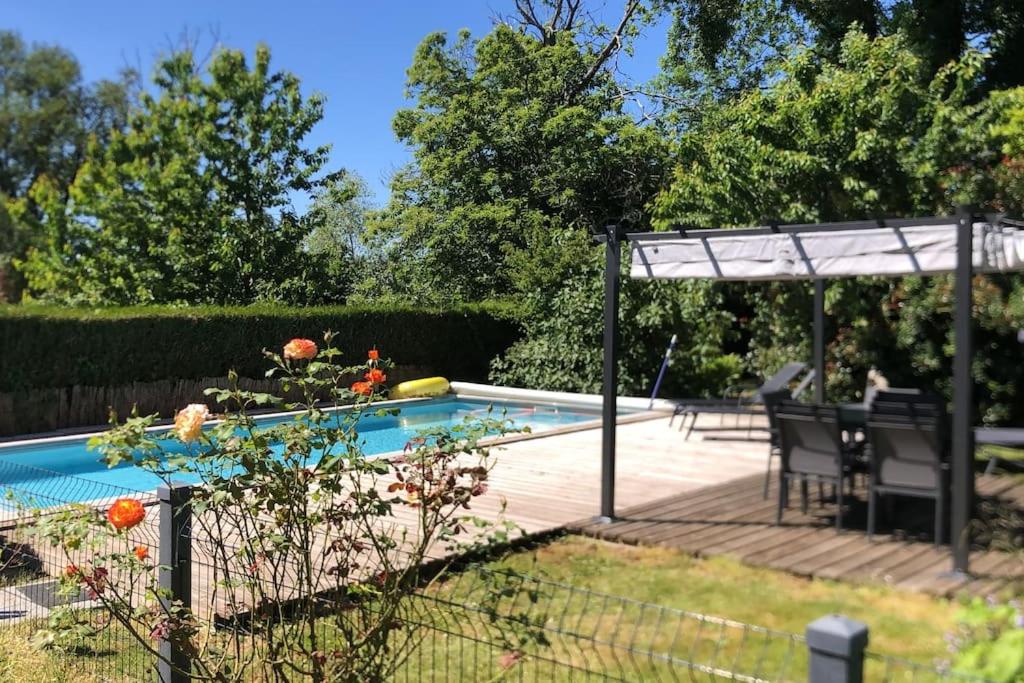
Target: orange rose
[[141, 552], [188, 423], [300, 349], [126, 513], [374, 354], [71, 571], [375, 376], [362, 388]]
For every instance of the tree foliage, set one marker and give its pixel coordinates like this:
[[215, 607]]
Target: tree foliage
[[190, 203], [867, 135], [520, 149], [47, 117], [526, 139]]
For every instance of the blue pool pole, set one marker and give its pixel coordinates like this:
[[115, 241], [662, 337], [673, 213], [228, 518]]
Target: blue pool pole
[[664, 366]]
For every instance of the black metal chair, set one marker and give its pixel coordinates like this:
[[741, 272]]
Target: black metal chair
[[909, 447], [812, 447], [771, 400]]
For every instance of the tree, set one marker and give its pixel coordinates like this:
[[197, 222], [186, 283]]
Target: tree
[[191, 202], [47, 116], [335, 226], [869, 135], [718, 49], [521, 148]]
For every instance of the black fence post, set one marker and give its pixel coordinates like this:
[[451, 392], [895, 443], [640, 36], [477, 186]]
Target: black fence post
[[836, 644], [175, 572]]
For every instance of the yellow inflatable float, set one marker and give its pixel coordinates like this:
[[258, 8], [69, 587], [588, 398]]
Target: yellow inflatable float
[[418, 388]]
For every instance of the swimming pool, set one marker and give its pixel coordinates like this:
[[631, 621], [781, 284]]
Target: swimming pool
[[56, 471]]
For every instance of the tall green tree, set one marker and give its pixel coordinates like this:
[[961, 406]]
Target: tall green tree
[[48, 114], [521, 147], [868, 135], [719, 49], [336, 233], [191, 202]]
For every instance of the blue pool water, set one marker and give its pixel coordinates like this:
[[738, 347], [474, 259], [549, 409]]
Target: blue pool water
[[66, 471]]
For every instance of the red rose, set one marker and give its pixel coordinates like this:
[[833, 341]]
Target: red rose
[[126, 513], [362, 388]]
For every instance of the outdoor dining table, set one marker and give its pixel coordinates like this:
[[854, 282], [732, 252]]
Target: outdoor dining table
[[1010, 437], [853, 417]]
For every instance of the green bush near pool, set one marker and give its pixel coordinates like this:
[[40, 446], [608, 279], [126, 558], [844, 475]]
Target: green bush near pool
[[54, 347]]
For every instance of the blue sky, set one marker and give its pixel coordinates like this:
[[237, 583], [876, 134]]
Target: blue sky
[[354, 52]]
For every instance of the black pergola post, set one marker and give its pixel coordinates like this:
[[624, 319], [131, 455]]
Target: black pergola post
[[962, 456], [612, 265], [819, 341]]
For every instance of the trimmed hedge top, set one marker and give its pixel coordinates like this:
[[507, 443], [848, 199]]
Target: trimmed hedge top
[[60, 347]]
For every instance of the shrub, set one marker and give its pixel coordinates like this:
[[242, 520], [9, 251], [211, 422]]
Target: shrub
[[990, 640], [116, 346]]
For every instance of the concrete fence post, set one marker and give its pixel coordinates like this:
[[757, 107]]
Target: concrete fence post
[[175, 572], [836, 644]]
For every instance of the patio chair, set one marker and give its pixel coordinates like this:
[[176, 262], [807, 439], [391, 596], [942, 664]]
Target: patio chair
[[909, 449], [812, 447], [772, 399], [738, 404]]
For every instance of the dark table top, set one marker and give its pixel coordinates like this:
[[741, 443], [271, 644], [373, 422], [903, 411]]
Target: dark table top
[[856, 415]]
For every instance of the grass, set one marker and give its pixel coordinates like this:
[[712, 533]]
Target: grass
[[726, 588], [20, 662], [902, 624]]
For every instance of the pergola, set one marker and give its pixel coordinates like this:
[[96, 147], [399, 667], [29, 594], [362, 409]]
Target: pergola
[[962, 244]]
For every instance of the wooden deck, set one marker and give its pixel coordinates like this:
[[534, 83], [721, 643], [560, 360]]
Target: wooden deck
[[734, 520]]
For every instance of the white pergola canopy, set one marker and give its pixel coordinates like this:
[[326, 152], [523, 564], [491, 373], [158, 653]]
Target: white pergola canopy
[[813, 254]]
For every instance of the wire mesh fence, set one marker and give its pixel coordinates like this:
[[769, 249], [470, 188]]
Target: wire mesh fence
[[880, 667], [482, 623], [471, 624], [31, 568]]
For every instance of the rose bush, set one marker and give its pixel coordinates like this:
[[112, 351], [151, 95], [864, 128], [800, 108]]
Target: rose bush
[[310, 552]]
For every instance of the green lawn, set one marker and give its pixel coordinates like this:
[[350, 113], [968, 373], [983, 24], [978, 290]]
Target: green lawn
[[629, 640], [726, 588], [619, 638]]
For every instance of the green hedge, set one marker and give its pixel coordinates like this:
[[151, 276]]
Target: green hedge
[[61, 347]]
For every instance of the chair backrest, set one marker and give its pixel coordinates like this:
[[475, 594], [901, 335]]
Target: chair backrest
[[908, 437], [870, 392], [810, 438], [781, 379], [772, 400]]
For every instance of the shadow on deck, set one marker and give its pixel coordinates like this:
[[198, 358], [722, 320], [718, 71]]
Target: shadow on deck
[[734, 520]]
